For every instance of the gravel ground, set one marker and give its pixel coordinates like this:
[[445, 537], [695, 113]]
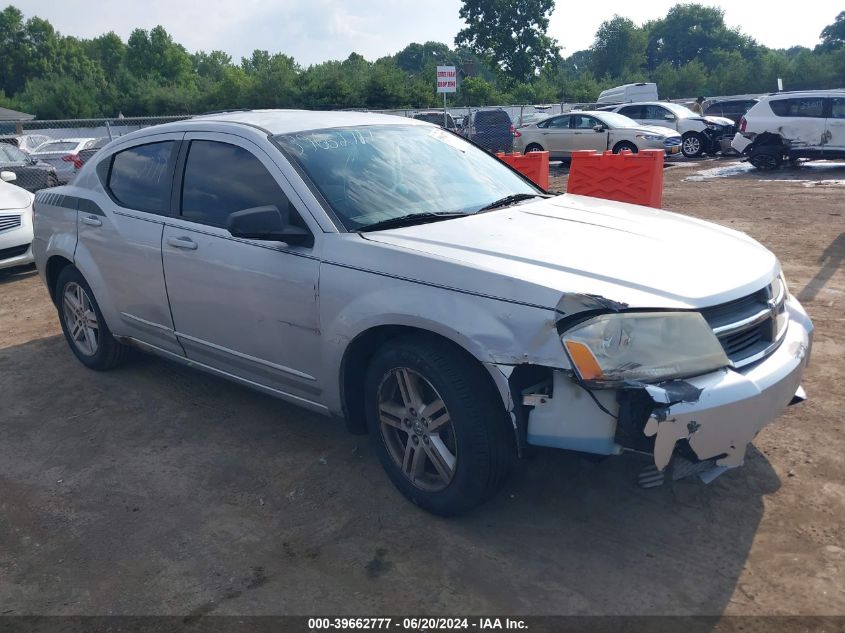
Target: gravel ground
[[154, 489]]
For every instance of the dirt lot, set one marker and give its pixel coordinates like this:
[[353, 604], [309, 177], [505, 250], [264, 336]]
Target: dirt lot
[[157, 490]]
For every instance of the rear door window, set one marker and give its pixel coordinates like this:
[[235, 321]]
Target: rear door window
[[802, 107], [558, 122], [633, 111], [140, 177]]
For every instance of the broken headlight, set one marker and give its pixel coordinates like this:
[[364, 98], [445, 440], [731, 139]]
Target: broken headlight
[[643, 347]]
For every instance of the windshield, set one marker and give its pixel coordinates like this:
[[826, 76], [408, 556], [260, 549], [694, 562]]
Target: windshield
[[375, 173], [680, 111], [617, 120]]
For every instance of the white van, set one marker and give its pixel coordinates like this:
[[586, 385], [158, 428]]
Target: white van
[[629, 93]]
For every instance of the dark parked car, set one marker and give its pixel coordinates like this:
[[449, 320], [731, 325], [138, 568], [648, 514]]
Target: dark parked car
[[436, 118], [733, 109], [32, 174], [88, 152], [491, 129]]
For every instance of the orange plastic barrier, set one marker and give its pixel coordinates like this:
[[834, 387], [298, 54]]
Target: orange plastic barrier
[[534, 166], [625, 177]]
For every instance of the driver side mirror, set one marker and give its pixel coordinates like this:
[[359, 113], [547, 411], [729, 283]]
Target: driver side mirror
[[599, 128], [267, 223], [669, 117], [8, 176]]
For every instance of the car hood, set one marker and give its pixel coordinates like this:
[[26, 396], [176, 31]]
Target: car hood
[[719, 120], [535, 251], [648, 129], [13, 197]]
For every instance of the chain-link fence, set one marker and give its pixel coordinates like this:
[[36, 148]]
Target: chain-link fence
[[44, 154]]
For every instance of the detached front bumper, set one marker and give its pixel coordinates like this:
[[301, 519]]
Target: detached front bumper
[[731, 407], [717, 415]]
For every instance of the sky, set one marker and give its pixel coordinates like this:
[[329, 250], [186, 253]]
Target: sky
[[317, 30]]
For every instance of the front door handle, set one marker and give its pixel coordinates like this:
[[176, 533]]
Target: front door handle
[[182, 242], [92, 220]]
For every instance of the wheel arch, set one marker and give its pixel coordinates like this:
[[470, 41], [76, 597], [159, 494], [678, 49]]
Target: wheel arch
[[54, 267], [360, 352]]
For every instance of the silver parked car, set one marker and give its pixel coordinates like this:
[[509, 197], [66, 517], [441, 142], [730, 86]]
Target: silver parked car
[[386, 271], [63, 155], [600, 131]]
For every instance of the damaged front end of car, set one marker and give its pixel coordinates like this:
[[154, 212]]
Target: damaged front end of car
[[690, 388]]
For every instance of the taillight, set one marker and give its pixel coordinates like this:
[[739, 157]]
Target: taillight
[[742, 124], [516, 133], [70, 158]]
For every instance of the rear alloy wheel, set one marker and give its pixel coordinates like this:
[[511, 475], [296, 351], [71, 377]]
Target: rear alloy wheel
[[625, 145], [82, 322], [692, 145], [437, 424], [767, 159]]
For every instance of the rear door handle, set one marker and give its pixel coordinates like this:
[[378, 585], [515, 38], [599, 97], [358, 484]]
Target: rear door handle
[[182, 242], [92, 220]]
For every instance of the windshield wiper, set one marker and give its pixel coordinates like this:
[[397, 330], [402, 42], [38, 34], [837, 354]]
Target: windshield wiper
[[512, 199], [409, 220]]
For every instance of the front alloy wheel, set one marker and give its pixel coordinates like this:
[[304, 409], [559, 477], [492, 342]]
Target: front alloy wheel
[[417, 430], [692, 146], [437, 423]]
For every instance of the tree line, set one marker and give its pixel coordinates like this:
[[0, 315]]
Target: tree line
[[504, 53]]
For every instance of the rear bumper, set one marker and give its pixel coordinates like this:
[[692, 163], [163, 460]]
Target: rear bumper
[[740, 143]]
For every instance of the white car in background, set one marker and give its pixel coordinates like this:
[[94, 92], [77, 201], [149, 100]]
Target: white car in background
[[15, 223], [795, 125], [561, 135], [700, 134]]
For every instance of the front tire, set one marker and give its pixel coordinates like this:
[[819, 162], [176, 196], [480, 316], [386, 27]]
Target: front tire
[[83, 324], [625, 145], [692, 144], [437, 424]]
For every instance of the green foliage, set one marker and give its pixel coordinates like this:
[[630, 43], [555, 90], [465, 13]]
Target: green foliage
[[510, 35], [619, 48], [504, 48], [833, 35]]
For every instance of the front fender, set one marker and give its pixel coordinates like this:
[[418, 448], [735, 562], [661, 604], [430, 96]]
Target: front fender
[[495, 332]]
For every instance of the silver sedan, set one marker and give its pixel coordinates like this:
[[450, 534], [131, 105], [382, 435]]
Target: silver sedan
[[388, 272], [600, 131]]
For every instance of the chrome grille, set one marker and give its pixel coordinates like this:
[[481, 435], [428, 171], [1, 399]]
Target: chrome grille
[[9, 222], [750, 328]]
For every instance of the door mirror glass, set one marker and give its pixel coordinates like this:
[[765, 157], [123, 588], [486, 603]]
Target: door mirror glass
[[8, 176], [266, 223]]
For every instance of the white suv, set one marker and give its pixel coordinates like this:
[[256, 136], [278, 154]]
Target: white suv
[[793, 125], [699, 134]]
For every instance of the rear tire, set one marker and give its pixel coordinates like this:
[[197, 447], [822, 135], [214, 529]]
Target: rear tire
[[437, 424], [83, 324], [534, 147], [767, 158], [625, 145], [692, 144]]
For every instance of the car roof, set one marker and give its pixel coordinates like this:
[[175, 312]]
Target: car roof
[[290, 121], [805, 93], [67, 140]]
